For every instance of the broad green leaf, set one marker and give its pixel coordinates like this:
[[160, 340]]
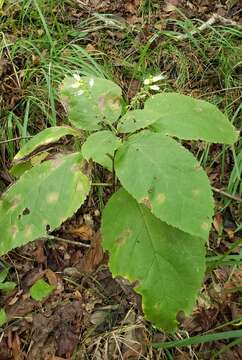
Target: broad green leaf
[[3, 275], [91, 101], [167, 264], [18, 169], [7, 286], [1, 3], [100, 147], [44, 138], [40, 290], [160, 173], [3, 317], [190, 119], [41, 200], [137, 119]]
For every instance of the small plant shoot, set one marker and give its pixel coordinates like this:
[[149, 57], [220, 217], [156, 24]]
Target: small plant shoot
[[155, 226]]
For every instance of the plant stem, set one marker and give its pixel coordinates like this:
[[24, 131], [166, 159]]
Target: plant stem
[[15, 139], [224, 193], [101, 184]]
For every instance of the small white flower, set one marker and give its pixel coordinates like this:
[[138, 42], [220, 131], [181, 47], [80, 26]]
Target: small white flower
[[147, 81], [80, 92], [91, 82], [77, 77], [158, 78], [155, 87], [76, 85]]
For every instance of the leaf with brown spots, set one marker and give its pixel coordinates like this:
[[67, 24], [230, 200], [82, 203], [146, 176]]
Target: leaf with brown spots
[[166, 264], [41, 200], [91, 101], [161, 174]]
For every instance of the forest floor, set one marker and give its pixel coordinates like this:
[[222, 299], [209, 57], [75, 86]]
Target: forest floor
[[197, 46]]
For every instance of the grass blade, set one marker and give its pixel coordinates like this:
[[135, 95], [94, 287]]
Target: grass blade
[[200, 339]]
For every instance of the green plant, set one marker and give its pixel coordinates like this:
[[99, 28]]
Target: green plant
[[3, 317], [6, 286], [40, 290], [156, 225]]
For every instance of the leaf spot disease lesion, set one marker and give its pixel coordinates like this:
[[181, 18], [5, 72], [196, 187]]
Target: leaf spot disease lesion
[[197, 167], [16, 201], [113, 104], [123, 237], [14, 230], [146, 201], [161, 198], [75, 168], [26, 211], [80, 188], [101, 103], [195, 192], [205, 226], [52, 197], [28, 231]]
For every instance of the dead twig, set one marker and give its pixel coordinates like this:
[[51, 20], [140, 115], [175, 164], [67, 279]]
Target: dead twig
[[224, 193], [72, 242], [15, 139], [212, 20]]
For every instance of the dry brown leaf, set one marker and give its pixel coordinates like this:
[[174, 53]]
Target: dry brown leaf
[[94, 255], [56, 334], [52, 277], [30, 278], [84, 232], [218, 223], [39, 254], [171, 5], [20, 309], [90, 48], [5, 352], [16, 348], [235, 281]]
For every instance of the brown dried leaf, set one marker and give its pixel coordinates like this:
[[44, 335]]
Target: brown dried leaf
[[171, 5], [218, 223], [31, 277], [39, 254], [84, 232], [52, 277], [5, 352], [56, 334], [16, 348], [94, 255], [20, 309], [66, 340]]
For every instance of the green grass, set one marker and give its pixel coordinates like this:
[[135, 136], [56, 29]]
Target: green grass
[[200, 339]]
